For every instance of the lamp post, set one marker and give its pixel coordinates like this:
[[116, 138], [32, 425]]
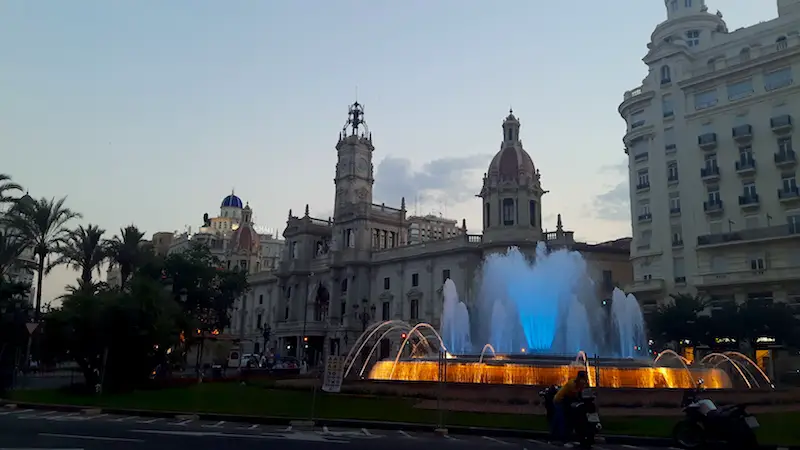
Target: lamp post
[[365, 315]]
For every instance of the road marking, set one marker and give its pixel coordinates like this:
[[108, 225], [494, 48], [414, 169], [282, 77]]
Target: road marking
[[495, 440], [294, 437], [216, 425], [37, 416], [447, 436], [122, 419], [325, 429], [366, 432], [182, 423], [540, 442], [251, 427], [405, 434], [288, 429], [148, 420], [90, 438], [95, 417], [630, 446]]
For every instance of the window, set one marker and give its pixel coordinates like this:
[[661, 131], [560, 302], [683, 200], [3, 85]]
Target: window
[[672, 171], [693, 38], [643, 179], [687, 3], [707, 99], [644, 209], [488, 215], [644, 239], [674, 202], [343, 286], [669, 139], [667, 108], [781, 43], [678, 269], [637, 119], [677, 235], [608, 280], [713, 195], [757, 263], [445, 275], [740, 89], [711, 161], [749, 190], [665, 75], [532, 212], [794, 224], [508, 211], [260, 299], [778, 79], [258, 321], [744, 55], [674, 5], [414, 279], [789, 183], [414, 309], [342, 311], [386, 283], [745, 154], [784, 145], [386, 310]]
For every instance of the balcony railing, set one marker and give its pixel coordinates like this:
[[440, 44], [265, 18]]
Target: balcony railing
[[781, 123], [785, 157], [748, 235], [712, 206], [709, 171], [707, 140], [645, 217], [750, 199], [641, 186], [788, 193], [742, 132], [745, 165]]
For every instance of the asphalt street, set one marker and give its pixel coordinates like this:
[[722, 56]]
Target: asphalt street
[[36, 429]]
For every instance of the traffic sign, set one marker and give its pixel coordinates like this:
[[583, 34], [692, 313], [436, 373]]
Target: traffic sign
[[31, 326]]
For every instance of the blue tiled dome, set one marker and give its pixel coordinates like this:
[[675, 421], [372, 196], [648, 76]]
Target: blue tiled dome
[[232, 201]]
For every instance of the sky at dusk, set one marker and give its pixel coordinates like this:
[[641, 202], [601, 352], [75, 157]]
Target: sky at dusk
[[150, 112]]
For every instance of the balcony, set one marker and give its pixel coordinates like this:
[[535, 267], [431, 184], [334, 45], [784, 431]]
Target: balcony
[[710, 173], [785, 158], [670, 148], [642, 186], [713, 207], [742, 133], [707, 141], [749, 202], [647, 217], [743, 277], [745, 166], [749, 235], [642, 286], [675, 212], [789, 195], [781, 124], [641, 157]]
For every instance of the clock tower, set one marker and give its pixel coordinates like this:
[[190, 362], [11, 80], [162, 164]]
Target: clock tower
[[354, 171]]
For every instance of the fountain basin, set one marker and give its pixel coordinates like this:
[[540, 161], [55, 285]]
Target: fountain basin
[[513, 369]]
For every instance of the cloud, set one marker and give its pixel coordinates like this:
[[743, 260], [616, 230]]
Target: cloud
[[615, 169], [614, 204], [451, 180]]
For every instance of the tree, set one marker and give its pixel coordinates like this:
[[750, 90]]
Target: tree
[[42, 224], [11, 247], [774, 320], [14, 313], [126, 252], [679, 319], [115, 336], [6, 186], [83, 250]]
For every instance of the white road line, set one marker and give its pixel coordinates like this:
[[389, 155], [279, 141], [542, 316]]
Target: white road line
[[495, 440], [366, 432], [539, 442], [90, 438], [148, 420], [630, 446], [251, 427], [447, 436], [288, 429], [405, 434], [216, 425], [96, 417], [122, 419], [37, 416], [182, 423]]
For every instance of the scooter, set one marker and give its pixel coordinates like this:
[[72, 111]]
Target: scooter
[[706, 424], [582, 417]]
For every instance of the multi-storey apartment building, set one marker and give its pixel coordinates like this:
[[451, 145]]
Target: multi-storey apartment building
[[430, 228], [715, 203]]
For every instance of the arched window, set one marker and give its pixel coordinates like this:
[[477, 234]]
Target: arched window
[[781, 43], [744, 55], [509, 211], [666, 76]]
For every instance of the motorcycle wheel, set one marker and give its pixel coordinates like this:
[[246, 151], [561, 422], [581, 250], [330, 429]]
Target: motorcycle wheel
[[747, 441], [688, 434]]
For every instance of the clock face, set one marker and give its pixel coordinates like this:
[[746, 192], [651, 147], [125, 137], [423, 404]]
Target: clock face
[[362, 165]]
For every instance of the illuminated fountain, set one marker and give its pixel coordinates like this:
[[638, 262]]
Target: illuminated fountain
[[535, 318]]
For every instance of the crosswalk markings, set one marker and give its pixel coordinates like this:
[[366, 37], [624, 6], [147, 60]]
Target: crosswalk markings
[[405, 434]]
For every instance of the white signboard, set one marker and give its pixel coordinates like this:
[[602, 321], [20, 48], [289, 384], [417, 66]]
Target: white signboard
[[334, 373]]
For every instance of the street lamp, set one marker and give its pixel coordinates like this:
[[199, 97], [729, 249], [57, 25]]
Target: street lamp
[[364, 316]]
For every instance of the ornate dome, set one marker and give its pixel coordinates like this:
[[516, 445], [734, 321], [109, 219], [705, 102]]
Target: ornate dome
[[232, 201], [512, 160]]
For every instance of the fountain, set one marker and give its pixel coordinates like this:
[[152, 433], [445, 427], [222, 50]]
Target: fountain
[[535, 318]]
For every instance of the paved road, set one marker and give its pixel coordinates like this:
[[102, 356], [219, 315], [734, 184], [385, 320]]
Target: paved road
[[35, 429]]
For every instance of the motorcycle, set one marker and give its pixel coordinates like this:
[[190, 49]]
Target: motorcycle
[[704, 423], [581, 416]]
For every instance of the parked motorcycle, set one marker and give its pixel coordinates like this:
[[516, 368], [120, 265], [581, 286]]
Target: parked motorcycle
[[582, 418], [706, 424]]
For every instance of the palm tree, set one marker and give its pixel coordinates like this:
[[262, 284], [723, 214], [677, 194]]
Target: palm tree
[[84, 251], [11, 247], [42, 224], [7, 185], [126, 252]]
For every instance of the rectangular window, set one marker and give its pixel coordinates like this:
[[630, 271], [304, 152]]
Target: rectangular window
[[258, 321], [260, 299], [644, 238], [711, 160], [414, 309], [693, 38], [740, 89], [789, 183], [784, 145], [414, 279], [749, 190], [794, 223], [672, 171], [643, 179], [637, 119], [674, 202], [532, 212], [508, 211], [445, 275], [707, 99], [608, 280], [667, 109], [778, 79], [386, 311], [677, 235], [669, 139], [713, 195], [687, 3], [386, 283], [745, 154], [678, 269], [644, 209]]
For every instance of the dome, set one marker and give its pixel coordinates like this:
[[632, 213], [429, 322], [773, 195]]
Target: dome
[[231, 201], [510, 161]]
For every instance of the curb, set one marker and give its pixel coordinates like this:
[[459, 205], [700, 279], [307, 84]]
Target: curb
[[353, 423]]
